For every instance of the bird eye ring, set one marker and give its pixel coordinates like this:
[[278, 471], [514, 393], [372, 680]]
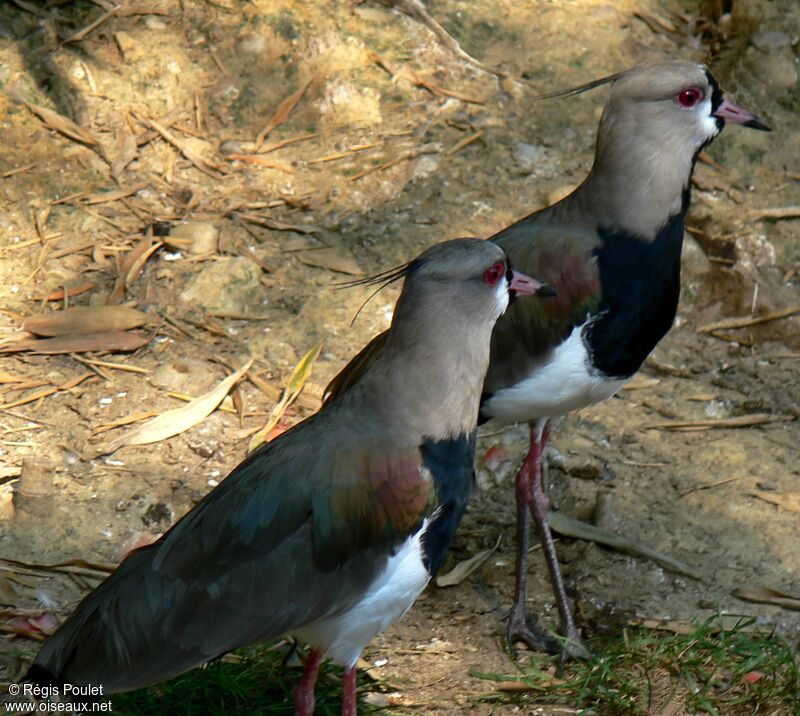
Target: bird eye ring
[[689, 97], [492, 275]]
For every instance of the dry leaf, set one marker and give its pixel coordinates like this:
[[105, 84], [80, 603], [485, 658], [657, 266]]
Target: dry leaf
[[332, 260], [63, 125], [113, 341], [121, 193], [70, 293], [765, 595], [81, 320], [787, 500], [126, 420], [463, 569], [282, 113], [294, 387], [180, 419], [6, 377], [641, 382], [570, 527], [123, 152], [69, 566]]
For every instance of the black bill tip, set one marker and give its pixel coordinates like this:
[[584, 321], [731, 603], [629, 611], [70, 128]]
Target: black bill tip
[[546, 291], [758, 123]]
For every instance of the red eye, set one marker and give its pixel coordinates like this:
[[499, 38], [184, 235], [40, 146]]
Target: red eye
[[690, 97], [493, 275]]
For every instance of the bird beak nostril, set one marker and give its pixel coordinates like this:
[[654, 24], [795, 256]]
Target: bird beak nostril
[[728, 111], [523, 285]]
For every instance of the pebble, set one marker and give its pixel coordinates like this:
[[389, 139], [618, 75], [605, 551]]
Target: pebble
[[202, 235], [528, 155], [230, 285], [151, 22], [251, 44], [230, 146], [770, 40]]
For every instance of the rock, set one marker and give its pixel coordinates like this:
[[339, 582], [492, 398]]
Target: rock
[[6, 502], [345, 103], [755, 250], [527, 156], [131, 49], [230, 285], [152, 22], [426, 165], [230, 146], [251, 44], [33, 495], [202, 235], [186, 375], [770, 40], [776, 69]]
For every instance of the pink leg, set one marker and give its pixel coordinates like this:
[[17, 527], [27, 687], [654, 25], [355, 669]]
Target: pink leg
[[518, 627], [304, 693], [539, 506], [349, 704]]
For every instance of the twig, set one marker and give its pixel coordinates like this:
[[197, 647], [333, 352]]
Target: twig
[[416, 79], [267, 148], [342, 155], [466, 141], [416, 9], [697, 488], [78, 36], [249, 158], [413, 154], [744, 321], [18, 170], [47, 392], [115, 366], [786, 212], [740, 421], [204, 165]]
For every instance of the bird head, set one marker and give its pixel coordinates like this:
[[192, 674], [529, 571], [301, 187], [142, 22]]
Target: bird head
[[677, 107], [475, 275], [657, 119]]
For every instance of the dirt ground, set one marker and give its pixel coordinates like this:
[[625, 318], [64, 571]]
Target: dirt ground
[[377, 140]]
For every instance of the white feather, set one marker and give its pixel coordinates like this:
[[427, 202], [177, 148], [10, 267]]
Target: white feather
[[344, 636], [564, 382]]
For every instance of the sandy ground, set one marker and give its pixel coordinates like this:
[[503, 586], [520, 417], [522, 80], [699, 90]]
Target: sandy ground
[[388, 142]]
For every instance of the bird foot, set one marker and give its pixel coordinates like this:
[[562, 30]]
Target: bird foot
[[521, 628], [572, 647]]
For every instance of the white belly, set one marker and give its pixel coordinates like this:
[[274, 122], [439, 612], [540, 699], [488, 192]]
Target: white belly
[[563, 383], [344, 636]]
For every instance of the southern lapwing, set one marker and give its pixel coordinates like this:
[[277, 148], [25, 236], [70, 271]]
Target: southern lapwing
[[330, 532], [611, 250]]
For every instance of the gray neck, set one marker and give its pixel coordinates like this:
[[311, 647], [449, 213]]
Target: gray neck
[[635, 187], [428, 379]]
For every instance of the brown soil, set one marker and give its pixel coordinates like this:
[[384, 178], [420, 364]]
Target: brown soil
[[211, 75]]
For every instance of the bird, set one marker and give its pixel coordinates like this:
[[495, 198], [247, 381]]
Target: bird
[[331, 531], [610, 250]]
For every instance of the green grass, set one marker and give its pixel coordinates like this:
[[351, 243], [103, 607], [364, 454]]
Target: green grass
[[251, 681], [642, 671]]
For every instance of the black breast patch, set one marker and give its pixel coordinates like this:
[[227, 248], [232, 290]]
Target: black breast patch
[[640, 283], [451, 463]]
